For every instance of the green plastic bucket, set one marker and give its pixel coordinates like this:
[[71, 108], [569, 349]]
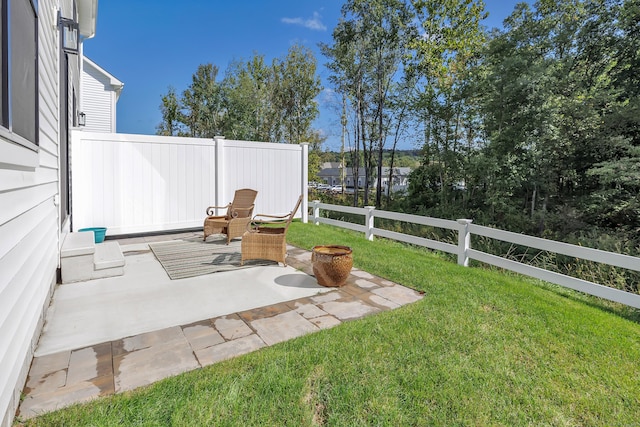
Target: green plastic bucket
[[98, 233]]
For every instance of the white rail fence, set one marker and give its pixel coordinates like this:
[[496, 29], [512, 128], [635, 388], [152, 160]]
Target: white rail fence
[[465, 229], [148, 183]]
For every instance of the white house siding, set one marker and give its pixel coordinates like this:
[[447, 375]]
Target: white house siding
[[98, 100], [29, 228]]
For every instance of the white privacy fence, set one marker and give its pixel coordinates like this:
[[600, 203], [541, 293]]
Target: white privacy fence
[[147, 183], [464, 251]]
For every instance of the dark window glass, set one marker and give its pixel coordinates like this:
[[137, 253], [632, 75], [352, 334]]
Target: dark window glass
[[3, 66], [20, 69]]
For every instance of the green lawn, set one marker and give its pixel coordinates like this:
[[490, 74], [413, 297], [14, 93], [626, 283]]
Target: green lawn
[[482, 348]]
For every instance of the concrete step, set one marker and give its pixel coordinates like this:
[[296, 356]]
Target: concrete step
[[108, 255], [82, 259], [77, 244], [108, 260]]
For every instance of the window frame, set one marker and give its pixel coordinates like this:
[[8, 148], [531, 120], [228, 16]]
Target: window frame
[[16, 151]]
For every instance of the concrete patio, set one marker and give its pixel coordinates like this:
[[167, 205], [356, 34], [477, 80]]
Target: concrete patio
[[111, 335]]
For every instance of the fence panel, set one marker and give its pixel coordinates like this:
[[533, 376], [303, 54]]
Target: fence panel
[[465, 231], [272, 169], [149, 183], [618, 260]]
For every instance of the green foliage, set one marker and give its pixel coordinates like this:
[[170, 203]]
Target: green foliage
[[250, 114], [254, 101], [542, 129], [316, 156], [171, 118], [365, 60], [295, 87], [202, 104]]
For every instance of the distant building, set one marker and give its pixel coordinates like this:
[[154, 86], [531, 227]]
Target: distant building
[[330, 165], [331, 176], [400, 178], [100, 93]]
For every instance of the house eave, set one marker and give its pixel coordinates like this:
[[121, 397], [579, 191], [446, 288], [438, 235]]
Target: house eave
[[87, 17], [116, 84]]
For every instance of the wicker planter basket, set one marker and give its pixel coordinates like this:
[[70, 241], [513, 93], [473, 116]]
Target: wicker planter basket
[[331, 264]]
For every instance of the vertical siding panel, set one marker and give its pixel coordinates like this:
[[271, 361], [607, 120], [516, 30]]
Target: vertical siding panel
[[173, 183], [190, 180], [165, 167], [138, 169], [200, 180], [28, 257], [145, 216], [116, 200]]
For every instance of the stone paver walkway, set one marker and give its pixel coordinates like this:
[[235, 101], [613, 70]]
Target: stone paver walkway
[[69, 377]]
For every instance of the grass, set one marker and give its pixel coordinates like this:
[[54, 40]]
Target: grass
[[482, 348]]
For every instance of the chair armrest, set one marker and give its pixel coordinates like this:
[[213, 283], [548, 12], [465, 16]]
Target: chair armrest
[[210, 209], [256, 225], [256, 217], [216, 217], [236, 211]]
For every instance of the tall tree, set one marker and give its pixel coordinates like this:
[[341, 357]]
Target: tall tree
[[202, 103], [248, 104], [171, 117], [254, 101], [446, 41], [365, 59], [348, 62], [298, 85]]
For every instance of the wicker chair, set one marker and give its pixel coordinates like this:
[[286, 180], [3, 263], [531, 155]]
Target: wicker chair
[[265, 237], [238, 216]]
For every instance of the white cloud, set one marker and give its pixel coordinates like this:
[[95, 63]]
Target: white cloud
[[314, 23]]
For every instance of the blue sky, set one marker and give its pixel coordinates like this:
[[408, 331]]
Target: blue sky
[[150, 46]]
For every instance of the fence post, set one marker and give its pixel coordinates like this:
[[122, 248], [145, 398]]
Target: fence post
[[369, 221], [316, 212], [464, 241], [305, 181], [219, 173]]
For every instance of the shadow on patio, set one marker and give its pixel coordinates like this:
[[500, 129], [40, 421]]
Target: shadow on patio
[[111, 335]]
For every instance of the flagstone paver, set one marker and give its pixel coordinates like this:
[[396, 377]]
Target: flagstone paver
[[309, 311], [348, 310], [229, 349], [381, 302], [232, 327], [46, 383], [146, 365], [367, 284], [362, 274], [330, 296], [282, 327], [325, 322], [262, 312], [89, 363], [50, 363], [202, 335], [68, 377], [34, 405]]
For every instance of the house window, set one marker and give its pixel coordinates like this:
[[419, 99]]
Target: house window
[[19, 87]]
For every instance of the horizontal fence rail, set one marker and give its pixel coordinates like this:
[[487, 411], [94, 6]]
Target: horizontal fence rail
[[463, 250]]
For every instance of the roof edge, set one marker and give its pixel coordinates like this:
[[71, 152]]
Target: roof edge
[[113, 81], [87, 17]]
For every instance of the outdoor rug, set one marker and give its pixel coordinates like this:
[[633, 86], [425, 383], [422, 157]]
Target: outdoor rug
[[190, 258]]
